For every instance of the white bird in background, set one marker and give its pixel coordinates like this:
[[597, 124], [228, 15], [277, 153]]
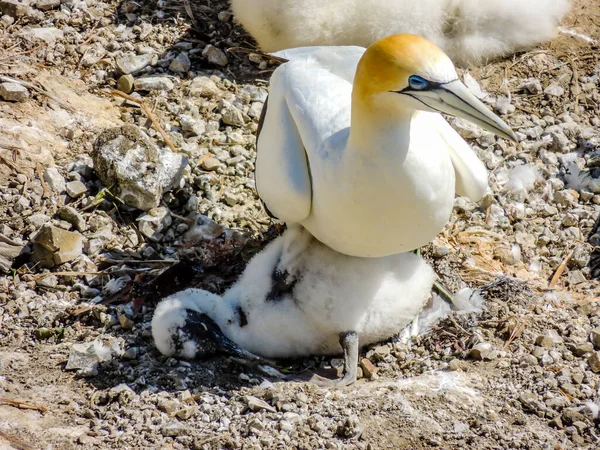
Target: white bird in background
[[369, 168], [334, 303], [469, 31]]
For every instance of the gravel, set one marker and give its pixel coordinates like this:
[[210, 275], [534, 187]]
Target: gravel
[[95, 207]]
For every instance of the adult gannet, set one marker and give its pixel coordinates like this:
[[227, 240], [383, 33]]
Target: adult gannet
[[297, 297], [469, 31], [369, 168]]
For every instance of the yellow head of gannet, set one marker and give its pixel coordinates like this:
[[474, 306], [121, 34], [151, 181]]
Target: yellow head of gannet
[[405, 72]]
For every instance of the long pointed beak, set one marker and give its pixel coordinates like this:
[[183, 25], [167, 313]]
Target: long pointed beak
[[456, 99]]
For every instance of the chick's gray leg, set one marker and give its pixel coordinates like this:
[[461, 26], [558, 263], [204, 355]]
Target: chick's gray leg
[[349, 343]]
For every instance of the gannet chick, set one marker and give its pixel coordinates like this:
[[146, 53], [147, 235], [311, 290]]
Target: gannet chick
[[369, 168], [470, 32], [298, 297]]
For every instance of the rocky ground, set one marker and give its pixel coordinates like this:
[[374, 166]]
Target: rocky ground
[[84, 231]]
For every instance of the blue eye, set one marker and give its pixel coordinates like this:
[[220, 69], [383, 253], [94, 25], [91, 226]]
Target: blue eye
[[416, 82]]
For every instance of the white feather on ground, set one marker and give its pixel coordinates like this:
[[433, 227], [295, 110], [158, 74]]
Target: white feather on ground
[[522, 177], [465, 301], [470, 32]]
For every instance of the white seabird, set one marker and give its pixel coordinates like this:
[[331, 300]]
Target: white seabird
[[298, 297], [469, 31], [368, 166]]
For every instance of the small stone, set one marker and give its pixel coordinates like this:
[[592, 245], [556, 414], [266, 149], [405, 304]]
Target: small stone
[[72, 216], [187, 413], [480, 351], [181, 64], [368, 368], [256, 404], [13, 92], [381, 352], [173, 429], [215, 55], [168, 406], [203, 86], [582, 349], [126, 83], [454, 364], [594, 362], [595, 337], [224, 16], [53, 246], [531, 85], [544, 341], [195, 127], [76, 189], [49, 281], [86, 357], [155, 221], [13, 8], [556, 422], [570, 416], [37, 220], [554, 90], [46, 5], [55, 180], [211, 163], [125, 321], [46, 34], [233, 116], [130, 63], [154, 83]]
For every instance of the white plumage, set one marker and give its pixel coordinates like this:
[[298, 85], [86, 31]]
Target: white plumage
[[296, 297], [368, 166], [468, 31]]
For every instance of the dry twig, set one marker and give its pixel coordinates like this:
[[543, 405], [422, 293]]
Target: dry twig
[[148, 113]]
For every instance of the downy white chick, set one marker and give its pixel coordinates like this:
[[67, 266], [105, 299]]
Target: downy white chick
[[295, 298], [469, 31]]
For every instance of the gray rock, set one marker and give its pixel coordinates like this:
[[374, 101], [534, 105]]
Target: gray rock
[[72, 216], [554, 90], [38, 220], [189, 124], [256, 404], [9, 250], [86, 357], [595, 337], [47, 34], [531, 85], [233, 116], [480, 351], [181, 64], [13, 92], [46, 5], [13, 8], [215, 55], [130, 63], [76, 189], [155, 221], [154, 84], [53, 246], [211, 163], [139, 171], [203, 86], [126, 83], [55, 180], [203, 229], [594, 362]]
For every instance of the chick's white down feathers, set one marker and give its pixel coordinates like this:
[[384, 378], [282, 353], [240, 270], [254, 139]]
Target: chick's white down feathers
[[469, 31], [333, 294]]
